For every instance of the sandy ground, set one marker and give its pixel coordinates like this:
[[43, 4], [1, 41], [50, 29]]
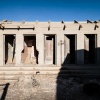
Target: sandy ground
[[51, 87]]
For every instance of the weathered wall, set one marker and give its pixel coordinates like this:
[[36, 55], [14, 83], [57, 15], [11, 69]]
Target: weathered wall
[[53, 28]]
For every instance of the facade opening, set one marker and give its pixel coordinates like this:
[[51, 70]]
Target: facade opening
[[90, 42], [49, 51], [10, 45], [69, 49], [29, 52]]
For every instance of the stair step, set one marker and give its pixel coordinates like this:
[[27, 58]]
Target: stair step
[[9, 68], [15, 72]]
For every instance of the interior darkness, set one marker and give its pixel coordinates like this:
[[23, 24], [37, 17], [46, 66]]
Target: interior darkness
[[72, 49], [90, 56], [53, 49], [9, 39], [30, 41], [50, 37], [71, 56]]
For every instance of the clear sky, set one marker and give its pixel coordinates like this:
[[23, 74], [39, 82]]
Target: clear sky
[[53, 10]]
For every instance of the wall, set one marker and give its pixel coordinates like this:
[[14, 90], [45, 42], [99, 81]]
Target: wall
[[55, 28]]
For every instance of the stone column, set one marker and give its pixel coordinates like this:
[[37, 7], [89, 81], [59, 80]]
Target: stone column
[[40, 48], [66, 50], [86, 48], [19, 48], [1, 50], [98, 49], [60, 49], [80, 48]]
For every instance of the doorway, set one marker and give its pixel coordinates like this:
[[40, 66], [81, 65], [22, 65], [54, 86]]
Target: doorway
[[29, 52], [69, 49], [90, 44], [9, 48], [49, 51]]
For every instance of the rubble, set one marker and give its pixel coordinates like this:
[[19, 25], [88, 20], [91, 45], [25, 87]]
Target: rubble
[[48, 87]]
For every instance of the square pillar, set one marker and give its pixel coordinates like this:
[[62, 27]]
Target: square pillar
[[98, 49], [19, 48], [86, 49], [66, 49], [40, 48], [1, 50], [80, 48], [60, 49]]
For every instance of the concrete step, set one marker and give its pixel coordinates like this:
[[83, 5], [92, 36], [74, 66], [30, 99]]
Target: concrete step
[[50, 67], [6, 72], [13, 73], [28, 68], [48, 72], [9, 77]]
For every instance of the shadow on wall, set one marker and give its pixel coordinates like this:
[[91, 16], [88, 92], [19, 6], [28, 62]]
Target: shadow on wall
[[90, 57], [79, 82], [4, 91], [37, 55]]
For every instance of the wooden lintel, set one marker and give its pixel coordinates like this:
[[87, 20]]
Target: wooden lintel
[[95, 27], [0, 25], [64, 27], [62, 22], [95, 22], [88, 21], [18, 27], [75, 21], [80, 26], [48, 27], [33, 27]]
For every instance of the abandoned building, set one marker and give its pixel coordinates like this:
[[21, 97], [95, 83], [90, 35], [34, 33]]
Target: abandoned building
[[49, 43], [34, 57], [46, 47]]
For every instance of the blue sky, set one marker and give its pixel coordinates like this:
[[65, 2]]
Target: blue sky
[[54, 10]]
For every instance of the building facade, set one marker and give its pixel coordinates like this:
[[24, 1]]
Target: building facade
[[49, 43]]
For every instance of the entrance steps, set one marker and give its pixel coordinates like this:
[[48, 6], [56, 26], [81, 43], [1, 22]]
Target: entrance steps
[[14, 72]]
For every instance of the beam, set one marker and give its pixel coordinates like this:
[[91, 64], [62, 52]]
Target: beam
[[48, 27], [0, 25], [62, 22], [33, 27], [18, 27], [64, 27], [88, 21], [75, 21], [5, 20], [95, 27], [80, 26], [95, 22]]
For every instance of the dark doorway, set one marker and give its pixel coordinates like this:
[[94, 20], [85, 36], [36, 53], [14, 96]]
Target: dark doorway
[[90, 43], [69, 49], [10, 44], [29, 52], [49, 45]]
